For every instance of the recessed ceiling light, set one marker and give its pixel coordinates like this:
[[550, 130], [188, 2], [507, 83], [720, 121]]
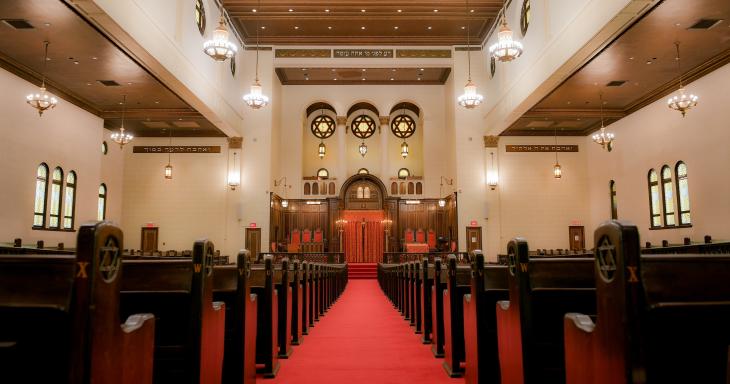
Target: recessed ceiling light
[[363, 79], [435, 10], [472, 11], [76, 62], [306, 78], [362, 10], [157, 102], [291, 10], [631, 58], [429, 27], [463, 27], [420, 69], [333, 69], [326, 10], [391, 79], [329, 27], [362, 27], [364, 69], [304, 69], [335, 79], [253, 10], [264, 27], [296, 27], [129, 83], [419, 79], [396, 27], [400, 10], [94, 58], [88, 83]]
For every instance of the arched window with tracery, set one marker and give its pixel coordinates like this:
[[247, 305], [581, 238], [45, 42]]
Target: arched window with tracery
[[654, 200], [41, 190], [614, 205], [366, 193], [360, 193], [56, 187], [69, 201], [683, 194], [101, 207], [668, 190]]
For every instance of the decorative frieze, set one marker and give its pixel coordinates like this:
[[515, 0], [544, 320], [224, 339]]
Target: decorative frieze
[[176, 149], [542, 148]]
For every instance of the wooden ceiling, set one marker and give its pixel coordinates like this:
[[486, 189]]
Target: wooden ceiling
[[356, 22], [363, 76], [81, 60], [636, 69]]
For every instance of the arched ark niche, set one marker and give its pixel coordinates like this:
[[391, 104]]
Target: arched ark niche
[[353, 193], [415, 160], [310, 161], [372, 160]]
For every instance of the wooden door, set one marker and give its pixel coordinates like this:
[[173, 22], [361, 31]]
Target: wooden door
[[253, 242], [577, 238], [149, 239], [473, 238]]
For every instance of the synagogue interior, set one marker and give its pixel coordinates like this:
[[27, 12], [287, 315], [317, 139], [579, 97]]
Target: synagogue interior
[[454, 191]]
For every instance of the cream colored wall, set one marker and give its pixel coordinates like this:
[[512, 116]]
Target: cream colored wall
[[65, 136], [529, 202], [656, 135]]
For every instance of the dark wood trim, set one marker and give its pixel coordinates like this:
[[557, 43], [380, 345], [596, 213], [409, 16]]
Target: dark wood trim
[[52, 229], [670, 227]]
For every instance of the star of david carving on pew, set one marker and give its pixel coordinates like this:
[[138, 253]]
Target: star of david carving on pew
[[109, 259], [606, 259], [209, 261], [512, 262]]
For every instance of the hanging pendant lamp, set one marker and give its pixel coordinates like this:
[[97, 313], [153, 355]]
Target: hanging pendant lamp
[[219, 48], [168, 167], [557, 170], [470, 99], [506, 48], [681, 101], [256, 98], [122, 137], [603, 138], [42, 101]]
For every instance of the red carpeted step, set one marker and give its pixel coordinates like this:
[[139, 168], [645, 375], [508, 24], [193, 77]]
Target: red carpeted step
[[362, 340], [362, 271]]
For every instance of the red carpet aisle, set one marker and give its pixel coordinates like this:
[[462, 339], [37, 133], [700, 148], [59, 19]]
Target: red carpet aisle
[[362, 340]]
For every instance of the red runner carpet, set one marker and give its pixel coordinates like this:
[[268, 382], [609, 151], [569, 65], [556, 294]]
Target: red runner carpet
[[362, 340]]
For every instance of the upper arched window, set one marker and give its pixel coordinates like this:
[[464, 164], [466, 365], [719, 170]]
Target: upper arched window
[[366, 193], [654, 200], [323, 173], [56, 186], [682, 194], [668, 190], [41, 190], [394, 188], [200, 16], [360, 193], [614, 203], [404, 173], [69, 201], [101, 208]]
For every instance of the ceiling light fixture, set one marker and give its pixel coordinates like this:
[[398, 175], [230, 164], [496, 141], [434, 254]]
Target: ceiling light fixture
[[492, 175], [470, 99], [168, 167], [681, 101], [122, 138], [42, 101], [603, 138], [557, 170], [219, 48], [255, 98], [506, 48]]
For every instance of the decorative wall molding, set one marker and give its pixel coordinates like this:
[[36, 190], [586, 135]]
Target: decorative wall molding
[[235, 142], [541, 148], [423, 53], [177, 149], [491, 141], [299, 53], [363, 53]]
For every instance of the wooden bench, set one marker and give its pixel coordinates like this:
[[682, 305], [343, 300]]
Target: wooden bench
[[426, 305], [284, 275], [661, 318], [297, 314], [59, 316], [530, 324], [437, 307], [231, 286], [458, 284], [488, 286], [267, 345]]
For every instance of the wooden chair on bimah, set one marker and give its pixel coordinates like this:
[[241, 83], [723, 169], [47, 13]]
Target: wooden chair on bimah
[[267, 320], [661, 318], [59, 316], [231, 286], [488, 286], [189, 339], [458, 284], [530, 324]]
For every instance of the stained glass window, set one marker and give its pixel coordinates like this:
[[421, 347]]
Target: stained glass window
[[668, 190], [683, 194], [655, 210], [614, 203], [41, 189], [200, 16], [69, 201], [56, 186]]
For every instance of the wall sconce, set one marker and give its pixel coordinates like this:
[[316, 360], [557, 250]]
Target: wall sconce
[[492, 175], [442, 202], [282, 182], [234, 162]]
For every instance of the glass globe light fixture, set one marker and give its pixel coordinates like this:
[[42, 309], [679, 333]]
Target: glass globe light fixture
[[363, 149], [404, 149], [219, 48]]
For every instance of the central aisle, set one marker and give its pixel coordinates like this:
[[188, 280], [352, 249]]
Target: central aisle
[[362, 339]]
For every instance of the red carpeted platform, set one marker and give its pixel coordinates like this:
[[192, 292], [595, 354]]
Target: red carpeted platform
[[362, 270], [362, 340]]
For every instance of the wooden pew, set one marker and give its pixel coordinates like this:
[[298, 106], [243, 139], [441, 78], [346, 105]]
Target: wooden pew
[[284, 293], [661, 318], [59, 316], [437, 308], [231, 286], [458, 284], [297, 314], [488, 286], [267, 345], [426, 275], [305, 279], [189, 341], [530, 324], [416, 317]]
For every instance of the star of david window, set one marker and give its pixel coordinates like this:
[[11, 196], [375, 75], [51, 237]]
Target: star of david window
[[323, 126], [363, 126], [403, 126]]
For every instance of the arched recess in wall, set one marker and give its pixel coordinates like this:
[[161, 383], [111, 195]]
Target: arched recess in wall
[[363, 126], [319, 126], [406, 125]]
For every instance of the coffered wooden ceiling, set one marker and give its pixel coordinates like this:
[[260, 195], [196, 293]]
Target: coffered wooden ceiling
[[356, 22], [363, 76], [86, 69], [636, 69]]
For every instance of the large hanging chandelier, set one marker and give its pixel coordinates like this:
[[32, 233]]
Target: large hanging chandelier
[[122, 137], [603, 138], [219, 48], [506, 48], [42, 101], [255, 98], [681, 101], [470, 99]]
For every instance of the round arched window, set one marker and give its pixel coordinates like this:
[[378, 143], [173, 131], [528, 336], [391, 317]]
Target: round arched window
[[525, 17], [233, 66], [104, 148], [492, 66], [404, 173], [323, 173], [363, 126]]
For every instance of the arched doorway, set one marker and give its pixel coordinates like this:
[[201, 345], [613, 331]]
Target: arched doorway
[[362, 198]]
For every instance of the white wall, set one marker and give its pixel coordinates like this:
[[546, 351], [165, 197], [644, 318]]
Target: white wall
[[656, 135], [65, 136]]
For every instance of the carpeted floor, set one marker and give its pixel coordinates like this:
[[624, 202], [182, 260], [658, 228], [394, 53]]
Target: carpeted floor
[[362, 340]]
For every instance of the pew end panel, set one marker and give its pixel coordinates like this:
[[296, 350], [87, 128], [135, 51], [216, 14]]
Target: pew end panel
[[578, 334]]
